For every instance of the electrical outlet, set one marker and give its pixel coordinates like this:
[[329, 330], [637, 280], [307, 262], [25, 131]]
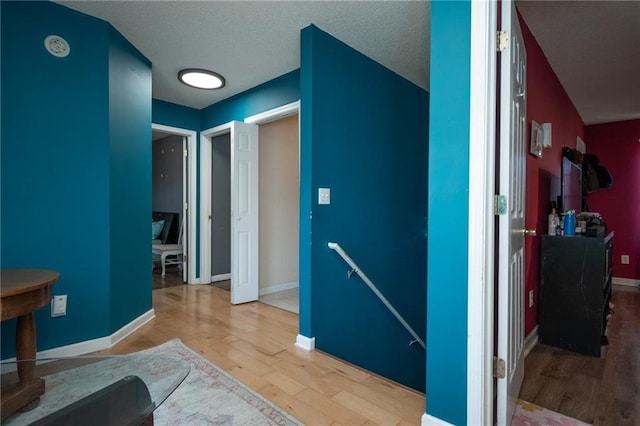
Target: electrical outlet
[[624, 259], [59, 305], [530, 298]]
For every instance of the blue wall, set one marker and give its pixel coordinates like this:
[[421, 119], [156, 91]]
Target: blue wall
[[448, 211], [130, 181], [169, 114], [366, 128], [272, 94], [57, 165]]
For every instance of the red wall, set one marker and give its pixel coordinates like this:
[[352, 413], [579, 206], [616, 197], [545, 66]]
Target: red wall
[[617, 146], [547, 102]]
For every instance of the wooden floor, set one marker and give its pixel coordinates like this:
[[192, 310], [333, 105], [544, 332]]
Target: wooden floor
[[254, 342], [600, 391]]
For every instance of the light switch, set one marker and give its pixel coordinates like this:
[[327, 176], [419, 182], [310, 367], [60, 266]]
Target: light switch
[[324, 196]]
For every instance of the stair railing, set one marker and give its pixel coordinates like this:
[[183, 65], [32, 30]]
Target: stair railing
[[355, 268]]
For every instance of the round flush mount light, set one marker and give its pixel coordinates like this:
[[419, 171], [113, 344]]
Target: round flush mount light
[[57, 46], [201, 79]]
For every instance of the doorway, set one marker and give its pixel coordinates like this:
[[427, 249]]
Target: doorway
[[172, 171], [279, 213], [265, 262]]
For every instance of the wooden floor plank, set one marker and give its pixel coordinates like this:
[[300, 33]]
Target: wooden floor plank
[[601, 391], [254, 342]]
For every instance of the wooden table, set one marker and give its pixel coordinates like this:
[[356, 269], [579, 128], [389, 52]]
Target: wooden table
[[22, 292]]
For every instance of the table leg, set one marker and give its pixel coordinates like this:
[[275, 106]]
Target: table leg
[[25, 395], [26, 346]]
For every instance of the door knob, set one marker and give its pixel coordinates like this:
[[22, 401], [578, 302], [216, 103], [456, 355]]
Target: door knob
[[531, 232]]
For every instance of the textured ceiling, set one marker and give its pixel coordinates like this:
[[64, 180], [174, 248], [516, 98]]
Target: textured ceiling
[[252, 42], [593, 46], [594, 49]]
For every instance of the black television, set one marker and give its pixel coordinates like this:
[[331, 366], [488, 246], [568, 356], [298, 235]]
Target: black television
[[571, 186]]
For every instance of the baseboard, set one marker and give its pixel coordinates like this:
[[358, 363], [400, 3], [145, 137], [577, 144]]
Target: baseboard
[[93, 345], [220, 277], [429, 420], [279, 287], [531, 341], [625, 281], [76, 349], [306, 343], [132, 326]]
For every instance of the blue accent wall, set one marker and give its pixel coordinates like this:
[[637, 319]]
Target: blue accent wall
[[446, 387], [130, 181], [272, 94], [60, 170], [174, 115], [364, 133]]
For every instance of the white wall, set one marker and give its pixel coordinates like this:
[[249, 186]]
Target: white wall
[[279, 203]]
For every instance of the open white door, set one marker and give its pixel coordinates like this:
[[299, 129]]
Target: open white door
[[244, 212], [513, 78], [185, 222]]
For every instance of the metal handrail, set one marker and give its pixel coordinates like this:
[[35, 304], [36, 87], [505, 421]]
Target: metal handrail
[[336, 247]]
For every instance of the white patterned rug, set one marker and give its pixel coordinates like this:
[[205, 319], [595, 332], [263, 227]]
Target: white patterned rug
[[207, 396], [210, 396]]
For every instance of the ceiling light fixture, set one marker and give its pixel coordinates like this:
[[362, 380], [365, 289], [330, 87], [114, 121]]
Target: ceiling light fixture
[[201, 79]]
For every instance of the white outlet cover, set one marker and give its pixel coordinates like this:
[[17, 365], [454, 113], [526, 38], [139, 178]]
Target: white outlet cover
[[58, 306], [324, 196]]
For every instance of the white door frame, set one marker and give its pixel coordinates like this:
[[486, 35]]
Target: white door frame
[[205, 175], [205, 198], [276, 114], [482, 148], [190, 246]]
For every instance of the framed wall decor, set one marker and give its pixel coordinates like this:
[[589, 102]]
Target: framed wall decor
[[536, 139]]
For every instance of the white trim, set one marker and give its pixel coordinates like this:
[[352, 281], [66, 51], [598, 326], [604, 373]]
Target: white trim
[[480, 297], [625, 281], [77, 349], [93, 345], [205, 197], [429, 420], [220, 277], [192, 196], [306, 343], [274, 114], [531, 341], [279, 287], [132, 326]]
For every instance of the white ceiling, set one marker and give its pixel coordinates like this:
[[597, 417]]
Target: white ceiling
[[593, 46], [594, 49]]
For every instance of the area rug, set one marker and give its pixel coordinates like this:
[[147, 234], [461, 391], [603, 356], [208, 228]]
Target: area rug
[[210, 396], [528, 414], [206, 396]]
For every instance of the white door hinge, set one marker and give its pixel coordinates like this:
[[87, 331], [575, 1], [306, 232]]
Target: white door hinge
[[499, 204], [498, 368], [503, 40], [186, 153], [186, 206]]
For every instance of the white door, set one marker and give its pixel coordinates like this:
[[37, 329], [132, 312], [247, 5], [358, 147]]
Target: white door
[[244, 212], [184, 223], [513, 78]]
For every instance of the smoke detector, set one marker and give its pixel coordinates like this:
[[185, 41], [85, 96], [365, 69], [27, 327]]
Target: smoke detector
[[57, 46]]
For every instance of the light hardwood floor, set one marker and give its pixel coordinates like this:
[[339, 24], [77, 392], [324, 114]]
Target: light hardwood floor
[[254, 342], [600, 391]]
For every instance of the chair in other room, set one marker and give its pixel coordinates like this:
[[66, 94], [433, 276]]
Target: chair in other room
[[170, 254]]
